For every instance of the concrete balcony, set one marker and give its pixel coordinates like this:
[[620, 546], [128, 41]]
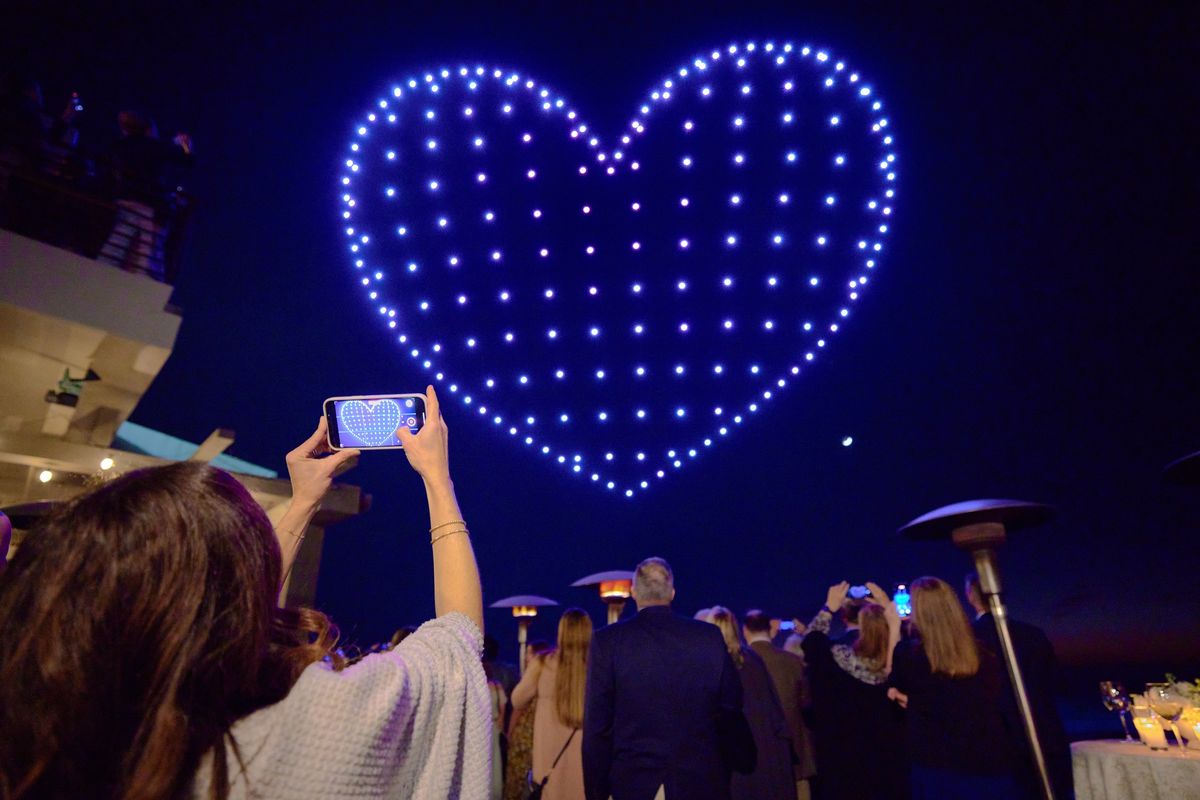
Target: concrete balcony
[[80, 342]]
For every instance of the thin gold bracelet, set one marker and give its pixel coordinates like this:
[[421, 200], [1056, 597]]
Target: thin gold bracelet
[[444, 524], [441, 536]]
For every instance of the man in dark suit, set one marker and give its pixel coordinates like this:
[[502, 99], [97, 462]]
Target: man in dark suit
[[663, 715], [787, 673], [1039, 668]]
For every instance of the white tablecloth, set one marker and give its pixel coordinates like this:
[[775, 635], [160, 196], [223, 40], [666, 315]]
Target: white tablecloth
[[1114, 770]]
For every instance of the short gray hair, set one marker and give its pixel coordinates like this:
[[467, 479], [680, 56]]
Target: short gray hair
[[654, 581]]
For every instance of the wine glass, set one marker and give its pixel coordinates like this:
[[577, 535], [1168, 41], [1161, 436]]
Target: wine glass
[[1112, 694], [1166, 701]]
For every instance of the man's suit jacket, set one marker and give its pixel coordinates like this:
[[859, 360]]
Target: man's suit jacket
[[1039, 668], [664, 708], [787, 673]]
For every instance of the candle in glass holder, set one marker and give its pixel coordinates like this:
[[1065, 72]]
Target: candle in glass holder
[[1151, 732], [1189, 725]]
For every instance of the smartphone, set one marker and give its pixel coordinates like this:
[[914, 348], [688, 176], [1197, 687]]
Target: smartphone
[[787, 625], [859, 592], [372, 422], [903, 601]]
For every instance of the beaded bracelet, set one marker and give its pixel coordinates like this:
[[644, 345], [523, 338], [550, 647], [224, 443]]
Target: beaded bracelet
[[441, 536]]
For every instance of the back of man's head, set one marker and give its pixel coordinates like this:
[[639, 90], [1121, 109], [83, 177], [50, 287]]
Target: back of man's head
[[756, 624], [850, 609], [653, 583], [974, 593]]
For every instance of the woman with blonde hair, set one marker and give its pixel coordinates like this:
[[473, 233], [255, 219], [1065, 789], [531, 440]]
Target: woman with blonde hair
[[772, 775], [849, 686], [959, 741], [557, 681]]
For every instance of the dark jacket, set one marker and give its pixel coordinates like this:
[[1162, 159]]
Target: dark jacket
[[1039, 668], [857, 731], [140, 165], [787, 673], [664, 708], [955, 724], [772, 776]]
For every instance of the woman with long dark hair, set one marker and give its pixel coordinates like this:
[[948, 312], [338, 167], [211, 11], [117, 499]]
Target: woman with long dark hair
[[556, 682], [857, 731], [960, 742], [145, 656]]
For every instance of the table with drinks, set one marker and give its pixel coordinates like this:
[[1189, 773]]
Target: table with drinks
[[1160, 755]]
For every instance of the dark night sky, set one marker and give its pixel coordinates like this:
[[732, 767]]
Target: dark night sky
[[1035, 335]]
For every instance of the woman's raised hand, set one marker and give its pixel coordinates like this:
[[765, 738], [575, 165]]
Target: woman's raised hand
[[889, 608], [837, 595], [311, 471], [428, 449]]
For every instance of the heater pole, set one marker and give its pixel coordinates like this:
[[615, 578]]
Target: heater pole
[[980, 540], [522, 640]]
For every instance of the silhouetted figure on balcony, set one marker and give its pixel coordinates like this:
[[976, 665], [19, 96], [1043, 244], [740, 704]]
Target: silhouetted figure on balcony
[[37, 151], [139, 162], [30, 138], [22, 128]]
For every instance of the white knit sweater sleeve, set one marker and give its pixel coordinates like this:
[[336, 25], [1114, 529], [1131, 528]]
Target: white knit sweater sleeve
[[414, 722]]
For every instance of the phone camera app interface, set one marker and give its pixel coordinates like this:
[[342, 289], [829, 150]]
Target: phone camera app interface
[[375, 423]]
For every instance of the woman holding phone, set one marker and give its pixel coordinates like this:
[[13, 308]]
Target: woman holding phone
[[857, 731], [145, 656]]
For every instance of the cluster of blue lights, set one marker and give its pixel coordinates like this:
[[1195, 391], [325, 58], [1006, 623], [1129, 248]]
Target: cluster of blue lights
[[619, 309]]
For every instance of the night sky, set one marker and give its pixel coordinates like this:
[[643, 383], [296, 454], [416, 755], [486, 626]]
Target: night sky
[[1032, 334]]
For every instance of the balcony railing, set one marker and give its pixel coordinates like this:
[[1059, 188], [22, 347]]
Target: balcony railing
[[66, 208]]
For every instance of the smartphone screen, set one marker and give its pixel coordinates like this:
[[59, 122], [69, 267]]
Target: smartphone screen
[[373, 422], [903, 601]]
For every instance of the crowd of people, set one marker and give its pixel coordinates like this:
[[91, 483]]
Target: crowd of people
[[716, 708], [114, 203], [142, 621]]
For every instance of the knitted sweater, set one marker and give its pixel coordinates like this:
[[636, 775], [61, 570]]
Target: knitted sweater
[[411, 723]]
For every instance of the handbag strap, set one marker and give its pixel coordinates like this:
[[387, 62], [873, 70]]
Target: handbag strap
[[558, 757]]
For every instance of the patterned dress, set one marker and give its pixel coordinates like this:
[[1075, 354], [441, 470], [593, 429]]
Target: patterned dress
[[520, 752]]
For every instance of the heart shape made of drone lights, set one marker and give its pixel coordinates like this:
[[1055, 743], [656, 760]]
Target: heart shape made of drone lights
[[618, 310], [373, 424]]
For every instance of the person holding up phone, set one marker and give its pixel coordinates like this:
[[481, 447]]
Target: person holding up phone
[[144, 651], [857, 730]]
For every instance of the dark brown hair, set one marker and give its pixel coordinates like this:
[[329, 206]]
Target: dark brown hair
[[139, 623], [757, 621], [851, 608]]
